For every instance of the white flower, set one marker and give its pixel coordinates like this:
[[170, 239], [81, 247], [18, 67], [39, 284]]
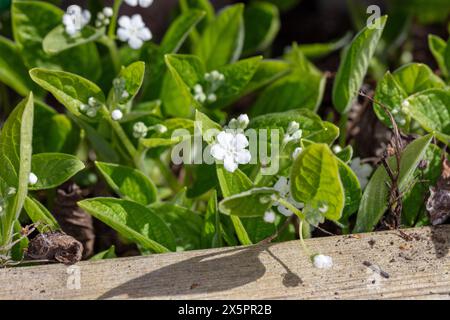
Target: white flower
[[362, 171], [108, 12], [212, 97], [116, 115], [283, 187], [140, 130], [160, 128], [75, 19], [337, 148], [199, 94], [296, 153], [142, 3], [243, 121], [32, 179], [293, 132], [133, 31], [269, 216], [321, 261], [231, 149]]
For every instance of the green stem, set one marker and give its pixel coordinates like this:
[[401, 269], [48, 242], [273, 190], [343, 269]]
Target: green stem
[[113, 23], [168, 175], [292, 208], [120, 133], [302, 241], [343, 130], [114, 53]]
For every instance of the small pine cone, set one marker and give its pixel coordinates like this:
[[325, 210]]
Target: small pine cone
[[73, 220]]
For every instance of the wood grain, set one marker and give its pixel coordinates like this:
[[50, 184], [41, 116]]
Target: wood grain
[[413, 269]]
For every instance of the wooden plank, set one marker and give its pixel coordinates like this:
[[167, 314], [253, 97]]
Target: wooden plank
[[412, 269]]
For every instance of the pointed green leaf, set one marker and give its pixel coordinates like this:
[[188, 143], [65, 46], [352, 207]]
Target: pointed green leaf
[[354, 64], [129, 183]]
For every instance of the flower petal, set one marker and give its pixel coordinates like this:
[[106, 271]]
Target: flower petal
[[125, 22], [135, 43], [136, 21], [123, 34], [229, 164], [144, 34], [145, 3], [243, 156], [218, 152], [225, 139], [132, 3], [240, 141]]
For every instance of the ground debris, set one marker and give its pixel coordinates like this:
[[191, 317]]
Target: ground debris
[[438, 204], [377, 269], [55, 246]]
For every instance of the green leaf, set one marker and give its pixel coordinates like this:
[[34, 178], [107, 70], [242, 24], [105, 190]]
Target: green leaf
[[32, 21], [415, 199], [107, 254], [15, 157], [313, 128], [431, 109], [13, 72], [208, 127], [394, 88], [58, 40], [133, 221], [374, 201], [133, 77], [185, 224], [184, 72], [262, 23], [222, 41], [267, 72], [69, 89], [180, 29], [237, 76], [252, 203], [302, 88], [437, 47], [53, 131], [53, 169], [352, 189], [102, 147], [40, 215], [354, 65], [230, 184], [315, 181], [211, 231], [345, 154], [129, 183], [319, 50]]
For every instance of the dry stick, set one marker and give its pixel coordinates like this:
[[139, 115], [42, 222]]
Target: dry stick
[[395, 201]]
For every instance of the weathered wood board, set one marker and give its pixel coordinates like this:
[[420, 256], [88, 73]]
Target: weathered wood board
[[400, 269]]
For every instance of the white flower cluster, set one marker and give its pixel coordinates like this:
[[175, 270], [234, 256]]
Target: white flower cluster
[[133, 30], [75, 19], [231, 147], [399, 114], [362, 171], [120, 91], [293, 132], [140, 130], [103, 17], [90, 109], [241, 123], [214, 80], [283, 186]]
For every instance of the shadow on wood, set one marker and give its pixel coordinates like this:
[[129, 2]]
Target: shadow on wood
[[203, 274]]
